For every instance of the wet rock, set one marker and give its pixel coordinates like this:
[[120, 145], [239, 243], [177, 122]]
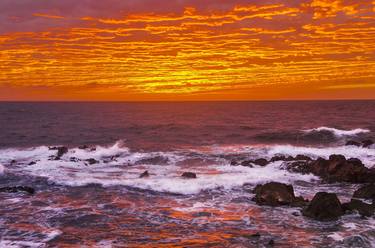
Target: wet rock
[[189, 175], [32, 163], [324, 207], [297, 167], [233, 163], [247, 163], [13, 162], [92, 161], [367, 143], [276, 194], [302, 157], [144, 174], [281, 158], [74, 159], [362, 208], [352, 143], [356, 241], [83, 147], [366, 192], [338, 169], [61, 150], [260, 162], [17, 189]]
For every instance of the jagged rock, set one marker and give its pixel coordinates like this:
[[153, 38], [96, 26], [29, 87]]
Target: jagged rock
[[61, 150], [298, 167], [363, 209], [276, 194], [366, 192], [324, 207], [18, 189], [281, 158], [92, 161], [189, 175], [144, 174]]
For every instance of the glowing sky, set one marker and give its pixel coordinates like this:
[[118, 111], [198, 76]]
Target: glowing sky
[[186, 49]]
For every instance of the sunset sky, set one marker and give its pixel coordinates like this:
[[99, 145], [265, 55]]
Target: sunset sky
[[126, 50]]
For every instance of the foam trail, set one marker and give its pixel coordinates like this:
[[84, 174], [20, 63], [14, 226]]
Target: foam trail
[[338, 132]]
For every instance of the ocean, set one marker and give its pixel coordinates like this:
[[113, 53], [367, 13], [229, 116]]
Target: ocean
[[93, 196]]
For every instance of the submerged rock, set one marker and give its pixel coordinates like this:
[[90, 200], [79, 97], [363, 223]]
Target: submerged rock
[[144, 174], [367, 143], [366, 192], [362, 208], [364, 143], [276, 194], [324, 207], [18, 189], [189, 175]]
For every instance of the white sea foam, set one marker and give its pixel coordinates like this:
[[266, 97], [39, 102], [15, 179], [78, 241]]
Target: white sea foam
[[118, 165], [338, 132]]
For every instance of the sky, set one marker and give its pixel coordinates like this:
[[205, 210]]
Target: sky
[[151, 50]]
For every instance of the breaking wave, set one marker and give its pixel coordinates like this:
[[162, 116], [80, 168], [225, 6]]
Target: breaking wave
[[338, 132]]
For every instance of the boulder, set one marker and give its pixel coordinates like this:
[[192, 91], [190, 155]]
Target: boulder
[[302, 157], [324, 207], [18, 189], [281, 158], [61, 150], [298, 167], [92, 161], [247, 163], [144, 174], [366, 192], [276, 194], [189, 175], [338, 169], [260, 162], [362, 208]]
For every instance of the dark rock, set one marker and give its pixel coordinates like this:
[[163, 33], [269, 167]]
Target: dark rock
[[281, 158], [233, 163], [271, 242], [363, 209], [83, 147], [247, 163], [367, 143], [324, 207], [352, 143], [144, 174], [275, 194], [298, 167], [189, 175], [154, 160], [13, 161], [92, 161], [61, 150], [338, 169], [260, 162], [32, 163], [366, 192], [74, 159], [302, 157], [18, 189]]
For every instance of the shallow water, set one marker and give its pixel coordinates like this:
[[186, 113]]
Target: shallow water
[[107, 205]]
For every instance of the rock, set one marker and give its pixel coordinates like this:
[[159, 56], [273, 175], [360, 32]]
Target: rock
[[32, 163], [276, 194], [92, 161], [233, 163], [189, 175], [297, 167], [18, 189], [302, 157], [352, 143], [83, 147], [260, 162], [367, 143], [247, 163], [324, 207], [154, 160], [271, 242], [281, 158], [366, 192], [363, 209], [144, 174], [338, 169]]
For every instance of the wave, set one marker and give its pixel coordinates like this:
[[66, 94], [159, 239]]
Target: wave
[[338, 132], [119, 165]]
